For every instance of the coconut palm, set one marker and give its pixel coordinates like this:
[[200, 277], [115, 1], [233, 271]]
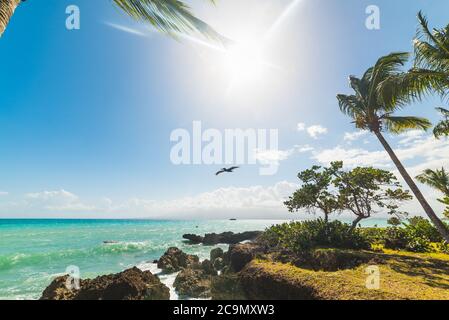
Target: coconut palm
[[372, 108], [442, 128], [168, 16], [437, 179], [430, 73]]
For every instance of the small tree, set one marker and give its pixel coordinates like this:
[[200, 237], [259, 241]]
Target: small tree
[[394, 221], [365, 190], [316, 191]]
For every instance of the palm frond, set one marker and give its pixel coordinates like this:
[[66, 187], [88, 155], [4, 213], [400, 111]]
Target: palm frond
[[401, 124], [438, 179], [169, 16], [442, 128]]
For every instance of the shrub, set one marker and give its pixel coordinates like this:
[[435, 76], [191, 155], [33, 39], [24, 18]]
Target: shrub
[[395, 238], [416, 235], [422, 228], [302, 236]]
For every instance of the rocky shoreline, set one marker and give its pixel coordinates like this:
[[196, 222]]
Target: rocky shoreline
[[213, 278]]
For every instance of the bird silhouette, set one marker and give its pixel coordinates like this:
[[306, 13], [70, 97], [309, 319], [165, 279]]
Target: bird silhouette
[[228, 170]]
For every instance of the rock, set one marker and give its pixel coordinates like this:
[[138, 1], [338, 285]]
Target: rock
[[194, 283], [227, 287], [225, 237], [260, 283], [57, 290], [174, 260], [131, 284], [216, 253], [241, 254], [193, 238], [218, 264], [208, 268]]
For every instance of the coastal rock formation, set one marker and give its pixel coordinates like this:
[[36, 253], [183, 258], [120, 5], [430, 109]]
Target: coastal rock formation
[[194, 283], [208, 268], [241, 254], [193, 238], [225, 237], [174, 260], [131, 284], [216, 253]]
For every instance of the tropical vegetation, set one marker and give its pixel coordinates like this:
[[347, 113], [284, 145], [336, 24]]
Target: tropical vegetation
[[168, 16]]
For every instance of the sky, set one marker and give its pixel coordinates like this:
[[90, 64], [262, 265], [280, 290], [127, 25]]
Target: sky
[[86, 115]]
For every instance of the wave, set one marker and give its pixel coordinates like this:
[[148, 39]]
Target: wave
[[106, 249]]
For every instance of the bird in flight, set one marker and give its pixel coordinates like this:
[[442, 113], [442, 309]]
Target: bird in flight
[[229, 170]]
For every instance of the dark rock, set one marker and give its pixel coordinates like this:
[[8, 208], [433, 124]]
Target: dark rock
[[131, 284], [193, 238], [155, 261], [216, 253], [227, 287], [241, 254], [225, 237], [174, 260], [194, 283], [218, 264], [57, 290], [208, 268], [259, 284]]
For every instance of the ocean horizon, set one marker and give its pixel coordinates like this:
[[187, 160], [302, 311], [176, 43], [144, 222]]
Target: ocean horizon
[[34, 251]]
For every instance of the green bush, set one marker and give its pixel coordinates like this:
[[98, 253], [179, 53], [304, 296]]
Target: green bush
[[422, 228], [374, 235], [416, 235], [302, 236]]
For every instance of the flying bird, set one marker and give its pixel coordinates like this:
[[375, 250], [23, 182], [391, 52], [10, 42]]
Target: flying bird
[[229, 170]]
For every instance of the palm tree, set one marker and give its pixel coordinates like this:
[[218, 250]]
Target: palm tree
[[442, 128], [168, 16], [437, 179], [430, 73], [372, 108]]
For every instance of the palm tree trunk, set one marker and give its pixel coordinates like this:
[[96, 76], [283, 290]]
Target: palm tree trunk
[[7, 8], [412, 185]]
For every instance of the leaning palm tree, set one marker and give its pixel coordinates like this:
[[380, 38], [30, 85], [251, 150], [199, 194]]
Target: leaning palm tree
[[372, 108], [168, 16]]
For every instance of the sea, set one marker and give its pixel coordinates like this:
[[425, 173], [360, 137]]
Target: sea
[[34, 251]]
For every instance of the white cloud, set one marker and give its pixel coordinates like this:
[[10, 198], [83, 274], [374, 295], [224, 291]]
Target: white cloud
[[410, 137], [272, 156], [316, 130], [426, 149], [60, 200], [3, 193], [353, 136], [301, 126], [352, 157]]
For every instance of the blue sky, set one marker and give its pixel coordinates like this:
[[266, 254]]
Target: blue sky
[[86, 115]]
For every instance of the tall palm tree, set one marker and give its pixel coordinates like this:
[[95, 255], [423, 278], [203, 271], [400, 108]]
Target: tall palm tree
[[437, 179], [169, 16], [372, 108]]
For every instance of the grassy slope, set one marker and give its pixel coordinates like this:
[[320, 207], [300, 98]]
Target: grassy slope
[[403, 275]]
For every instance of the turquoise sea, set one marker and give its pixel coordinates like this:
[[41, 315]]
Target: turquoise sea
[[33, 252]]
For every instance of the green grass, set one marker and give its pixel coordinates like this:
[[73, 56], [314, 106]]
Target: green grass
[[403, 275]]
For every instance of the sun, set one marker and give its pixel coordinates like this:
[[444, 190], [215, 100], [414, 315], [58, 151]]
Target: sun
[[244, 61]]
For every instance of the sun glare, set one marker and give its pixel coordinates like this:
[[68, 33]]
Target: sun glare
[[244, 61]]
